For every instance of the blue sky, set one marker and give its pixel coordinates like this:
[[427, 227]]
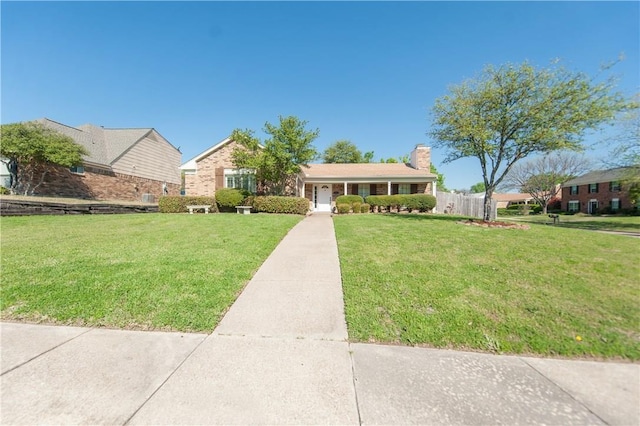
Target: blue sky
[[368, 72]]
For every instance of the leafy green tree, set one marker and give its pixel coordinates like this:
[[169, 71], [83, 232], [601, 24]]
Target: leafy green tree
[[513, 111], [30, 150], [278, 159], [478, 188], [367, 157], [342, 151], [440, 186]]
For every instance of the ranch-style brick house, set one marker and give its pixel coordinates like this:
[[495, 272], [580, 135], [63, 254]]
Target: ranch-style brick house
[[596, 192], [319, 183], [132, 164]]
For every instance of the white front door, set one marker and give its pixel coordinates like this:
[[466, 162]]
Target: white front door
[[323, 198]]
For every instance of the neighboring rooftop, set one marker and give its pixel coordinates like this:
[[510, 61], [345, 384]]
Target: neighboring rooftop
[[104, 145], [599, 176]]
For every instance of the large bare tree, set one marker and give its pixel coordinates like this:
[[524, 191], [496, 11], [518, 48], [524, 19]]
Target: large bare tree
[[542, 177]]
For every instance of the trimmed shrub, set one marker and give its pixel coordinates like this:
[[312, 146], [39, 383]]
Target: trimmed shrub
[[178, 203], [364, 208], [343, 208], [349, 199], [379, 201], [228, 198], [277, 204], [421, 202], [356, 207], [4, 191]]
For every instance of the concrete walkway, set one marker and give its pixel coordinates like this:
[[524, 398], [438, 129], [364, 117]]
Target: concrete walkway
[[281, 356]]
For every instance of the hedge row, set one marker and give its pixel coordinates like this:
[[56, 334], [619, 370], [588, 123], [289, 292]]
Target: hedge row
[[420, 202], [349, 199], [275, 204], [178, 203]]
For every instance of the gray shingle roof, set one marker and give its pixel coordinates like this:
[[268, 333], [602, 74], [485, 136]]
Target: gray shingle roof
[[104, 145], [598, 176]]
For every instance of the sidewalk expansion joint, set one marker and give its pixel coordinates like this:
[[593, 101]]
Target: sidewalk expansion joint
[[280, 337], [354, 380], [566, 392], [47, 351]]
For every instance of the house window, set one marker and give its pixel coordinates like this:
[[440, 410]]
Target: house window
[[574, 206], [573, 190], [614, 186], [364, 190], [615, 204], [241, 179], [404, 188], [78, 170], [593, 188]]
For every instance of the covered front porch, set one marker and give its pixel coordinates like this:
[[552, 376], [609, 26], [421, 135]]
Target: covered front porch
[[322, 194]]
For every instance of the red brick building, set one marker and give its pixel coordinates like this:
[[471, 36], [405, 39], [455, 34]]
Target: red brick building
[[600, 191], [132, 164]]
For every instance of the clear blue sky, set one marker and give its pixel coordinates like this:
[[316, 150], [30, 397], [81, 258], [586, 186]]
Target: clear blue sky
[[364, 71]]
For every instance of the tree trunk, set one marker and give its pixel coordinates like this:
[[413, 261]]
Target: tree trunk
[[487, 204]]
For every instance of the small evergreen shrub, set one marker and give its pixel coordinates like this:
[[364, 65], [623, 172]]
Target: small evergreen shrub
[[364, 208], [178, 203], [356, 207], [378, 201], [4, 191], [228, 198], [278, 204], [343, 208]]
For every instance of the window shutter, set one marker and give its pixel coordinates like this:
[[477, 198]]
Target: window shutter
[[414, 188], [354, 189], [394, 188], [219, 177], [597, 187], [372, 189]]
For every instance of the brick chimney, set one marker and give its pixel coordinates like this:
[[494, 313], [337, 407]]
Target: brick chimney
[[421, 157]]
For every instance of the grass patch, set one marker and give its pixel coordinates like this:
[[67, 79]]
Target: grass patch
[[424, 279], [593, 223], [144, 271]]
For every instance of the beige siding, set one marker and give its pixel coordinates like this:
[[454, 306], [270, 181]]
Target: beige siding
[[151, 159]]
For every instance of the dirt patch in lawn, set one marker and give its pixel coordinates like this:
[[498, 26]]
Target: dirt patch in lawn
[[492, 224]]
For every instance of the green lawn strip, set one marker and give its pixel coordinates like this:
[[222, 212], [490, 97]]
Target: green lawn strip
[[422, 279], [143, 271], [594, 223]]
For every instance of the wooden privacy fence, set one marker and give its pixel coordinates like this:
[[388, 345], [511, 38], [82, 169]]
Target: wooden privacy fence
[[463, 205]]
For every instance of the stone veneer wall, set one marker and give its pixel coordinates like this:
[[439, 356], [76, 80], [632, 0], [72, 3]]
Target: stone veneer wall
[[100, 184], [204, 181]]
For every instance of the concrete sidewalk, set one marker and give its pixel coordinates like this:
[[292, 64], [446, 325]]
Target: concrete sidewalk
[[281, 356]]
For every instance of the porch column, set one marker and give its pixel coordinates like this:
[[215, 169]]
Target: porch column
[[433, 188], [389, 188], [345, 188]]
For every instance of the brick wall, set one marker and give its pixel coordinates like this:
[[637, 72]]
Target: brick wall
[[204, 181], [603, 196], [100, 184]]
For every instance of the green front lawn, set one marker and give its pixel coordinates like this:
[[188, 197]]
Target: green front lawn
[[593, 223], [144, 271], [426, 280]]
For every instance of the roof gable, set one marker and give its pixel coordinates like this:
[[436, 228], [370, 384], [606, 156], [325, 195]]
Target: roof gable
[[192, 164], [105, 146]]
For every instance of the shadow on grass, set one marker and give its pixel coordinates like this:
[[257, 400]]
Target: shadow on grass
[[602, 226]]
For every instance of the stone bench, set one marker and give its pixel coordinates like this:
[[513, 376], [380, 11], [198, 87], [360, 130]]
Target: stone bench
[[198, 207], [243, 209]]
